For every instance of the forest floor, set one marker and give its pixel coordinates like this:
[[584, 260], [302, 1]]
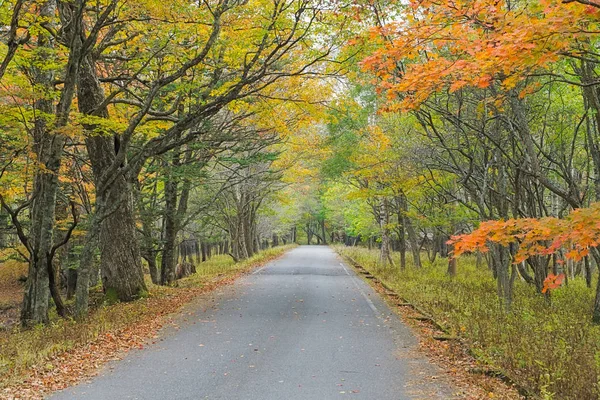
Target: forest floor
[[12, 275], [541, 349], [38, 361]]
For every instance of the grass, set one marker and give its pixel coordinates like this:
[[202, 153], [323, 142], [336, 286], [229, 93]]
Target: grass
[[221, 265], [553, 350], [38, 351]]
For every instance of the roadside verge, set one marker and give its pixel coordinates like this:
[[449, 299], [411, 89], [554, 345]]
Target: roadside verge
[[475, 379]]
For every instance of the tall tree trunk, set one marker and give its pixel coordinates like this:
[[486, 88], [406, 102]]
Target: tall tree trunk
[[71, 282], [148, 247], [500, 257], [452, 267], [170, 224], [48, 147], [248, 234], [412, 235], [120, 262], [85, 268], [588, 271], [176, 205], [596, 309], [226, 247]]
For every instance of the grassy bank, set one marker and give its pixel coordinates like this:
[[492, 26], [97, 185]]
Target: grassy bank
[[551, 349], [47, 358]]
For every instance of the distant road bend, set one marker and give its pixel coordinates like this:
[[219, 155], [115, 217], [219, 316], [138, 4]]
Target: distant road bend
[[304, 327]]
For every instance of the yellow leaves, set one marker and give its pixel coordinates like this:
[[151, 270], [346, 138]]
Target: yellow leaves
[[11, 192], [71, 131], [98, 125], [361, 193], [161, 10], [224, 88], [377, 139]]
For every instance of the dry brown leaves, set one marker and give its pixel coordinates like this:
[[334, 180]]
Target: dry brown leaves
[[71, 367]]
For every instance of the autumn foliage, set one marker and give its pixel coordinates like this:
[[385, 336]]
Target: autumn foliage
[[578, 233], [450, 45]]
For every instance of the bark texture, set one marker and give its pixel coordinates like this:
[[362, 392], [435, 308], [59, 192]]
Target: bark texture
[[120, 257]]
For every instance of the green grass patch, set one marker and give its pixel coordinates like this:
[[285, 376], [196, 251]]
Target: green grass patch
[[221, 265], [552, 349]]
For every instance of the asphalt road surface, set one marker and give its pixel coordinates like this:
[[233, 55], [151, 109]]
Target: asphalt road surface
[[302, 328]]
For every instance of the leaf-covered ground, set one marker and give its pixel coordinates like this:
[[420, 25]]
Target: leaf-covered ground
[[11, 292], [36, 362]]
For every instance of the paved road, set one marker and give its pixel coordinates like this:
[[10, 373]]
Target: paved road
[[302, 328]]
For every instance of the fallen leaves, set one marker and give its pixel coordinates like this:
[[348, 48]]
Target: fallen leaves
[[83, 360]]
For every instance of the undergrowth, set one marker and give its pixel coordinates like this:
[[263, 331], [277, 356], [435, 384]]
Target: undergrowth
[[550, 348]]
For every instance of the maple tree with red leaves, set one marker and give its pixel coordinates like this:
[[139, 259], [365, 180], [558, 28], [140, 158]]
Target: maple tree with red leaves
[[474, 43]]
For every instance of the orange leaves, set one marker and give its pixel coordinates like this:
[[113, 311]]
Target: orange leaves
[[484, 81], [576, 233], [458, 85], [451, 45], [553, 282]]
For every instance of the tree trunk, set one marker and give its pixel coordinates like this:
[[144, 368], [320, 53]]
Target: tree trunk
[[48, 149], [204, 252], [596, 309], [384, 224], [148, 250], [588, 271], [54, 291], [414, 243], [150, 257], [500, 256], [170, 225], [452, 267], [85, 270], [120, 263], [174, 213], [71, 282]]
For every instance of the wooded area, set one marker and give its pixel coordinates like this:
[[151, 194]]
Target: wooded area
[[138, 139], [148, 131]]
